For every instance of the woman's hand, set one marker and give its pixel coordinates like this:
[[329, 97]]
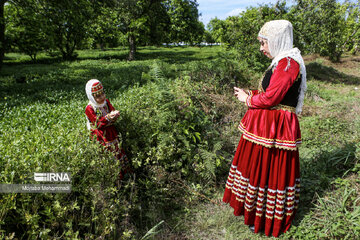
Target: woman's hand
[[113, 115], [240, 94]]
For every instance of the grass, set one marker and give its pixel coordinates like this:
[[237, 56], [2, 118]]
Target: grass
[[178, 109]]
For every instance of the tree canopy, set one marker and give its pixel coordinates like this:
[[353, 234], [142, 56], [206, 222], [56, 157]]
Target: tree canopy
[[324, 27], [64, 26]]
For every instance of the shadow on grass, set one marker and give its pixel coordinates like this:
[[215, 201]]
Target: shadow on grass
[[44, 60], [26, 81], [61, 83], [329, 74], [318, 172], [178, 57], [169, 54]]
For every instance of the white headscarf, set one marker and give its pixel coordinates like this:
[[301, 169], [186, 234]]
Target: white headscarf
[[92, 101], [279, 34]]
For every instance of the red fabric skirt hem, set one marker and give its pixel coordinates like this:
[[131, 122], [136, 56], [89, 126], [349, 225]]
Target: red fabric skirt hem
[[264, 186]]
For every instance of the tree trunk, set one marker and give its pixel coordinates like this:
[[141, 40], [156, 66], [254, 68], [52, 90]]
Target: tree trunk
[[2, 33], [132, 47]]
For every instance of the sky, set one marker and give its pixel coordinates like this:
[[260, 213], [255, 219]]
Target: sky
[[224, 8]]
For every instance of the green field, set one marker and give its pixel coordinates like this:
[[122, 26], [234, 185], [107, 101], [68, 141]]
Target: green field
[[178, 125]]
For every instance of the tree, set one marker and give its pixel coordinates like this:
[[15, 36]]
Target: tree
[[198, 33], [104, 28], [320, 27], [25, 30], [158, 25], [68, 23], [156, 21], [352, 32], [240, 32], [2, 32], [208, 37], [64, 24], [133, 16], [184, 23], [217, 29]]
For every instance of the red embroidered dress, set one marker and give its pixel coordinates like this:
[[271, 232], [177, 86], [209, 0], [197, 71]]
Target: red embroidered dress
[[264, 179], [103, 128]]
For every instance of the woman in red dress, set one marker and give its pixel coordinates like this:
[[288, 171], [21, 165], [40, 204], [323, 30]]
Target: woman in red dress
[[264, 179], [100, 118]]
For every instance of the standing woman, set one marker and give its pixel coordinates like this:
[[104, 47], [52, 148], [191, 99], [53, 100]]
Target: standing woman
[[264, 179]]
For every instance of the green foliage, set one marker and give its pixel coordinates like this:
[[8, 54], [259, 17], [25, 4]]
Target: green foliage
[[163, 128], [69, 24], [184, 23], [104, 28], [2, 33], [216, 29], [330, 17], [63, 27], [49, 146], [152, 231], [170, 127], [325, 132], [24, 31], [240, 32], [66, 23], [60, 28], [154, 22], [227, 70], [324, 27], [208, 38], [211, 160], [352, 34], [132, 17]]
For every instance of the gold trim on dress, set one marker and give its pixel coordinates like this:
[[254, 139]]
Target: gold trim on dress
[[284, 107], [269, 139], [270, 146]]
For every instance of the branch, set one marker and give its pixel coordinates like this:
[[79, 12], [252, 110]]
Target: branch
[[347, 40]]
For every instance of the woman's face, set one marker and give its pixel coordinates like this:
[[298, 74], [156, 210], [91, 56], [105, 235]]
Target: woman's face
[[264, 47], [100, 97]]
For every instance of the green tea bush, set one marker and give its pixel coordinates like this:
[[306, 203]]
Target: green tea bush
[[171, 141], [166, 141], [174, 148], [42, 137], [227, 70], [170, 124]]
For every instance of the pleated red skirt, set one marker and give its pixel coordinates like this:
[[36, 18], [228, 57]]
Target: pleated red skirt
[[264, 186]]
